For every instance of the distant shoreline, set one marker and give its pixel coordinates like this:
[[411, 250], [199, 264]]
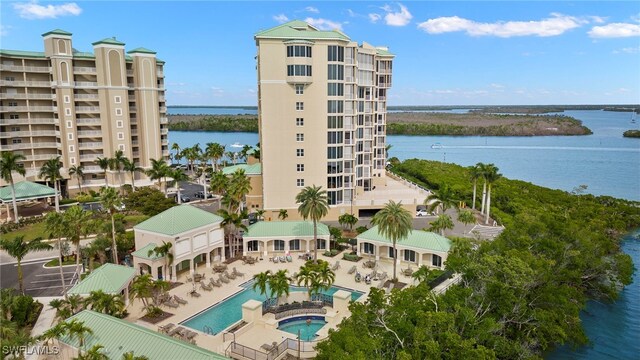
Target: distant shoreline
[[413, 123]]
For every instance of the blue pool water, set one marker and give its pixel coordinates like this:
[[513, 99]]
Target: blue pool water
[[229, 311], [307, 325]]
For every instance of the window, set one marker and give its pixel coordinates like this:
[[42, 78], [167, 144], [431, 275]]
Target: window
[[334, 137], [335, 53], [334, 152], [299, 121], [15, 128], [436, 260], [300, 182], [252, 245], [368, 248], [335, 89], [334, 197], [334, 182], [391, 253], [409, 255], [322, 244], [70, 136], [334, 167], [299, 167], [119, 124], [299, 137], [14, 116], [117, 99], [299, 152], [299, 89], [335, 122], [299, 106], [121, 147], [294, 244], [67, 99], [13, 103], [335, 106], [336, 72], [69, 124], [120, 136], [72, 160], [10, 78], [278, 245], [16, 141], [71, 148], [67, 112], [118, 112], [298, 70], [298, 51]]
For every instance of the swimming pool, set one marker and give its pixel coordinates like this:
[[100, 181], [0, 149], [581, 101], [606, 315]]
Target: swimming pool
[[307, 325], [229, 311]]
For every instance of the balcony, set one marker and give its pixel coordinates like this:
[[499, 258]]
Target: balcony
[[39, 157], [164, 120], [29, 108], [132, 98], [90, 145], [135, 154], [92, 169], [9, 83], [27, 96], [163, 109], [165, 152], [134, 142], [90, 121], [86, 84], [164, 131], [161, 98], [133, 109], [89, 157], [29, 145], [129, 72], [87, 109], [28, 121], [86, 97], [84, 70], [90, 133], [164, 142], [384, 84], [25, 68], [159, 73]]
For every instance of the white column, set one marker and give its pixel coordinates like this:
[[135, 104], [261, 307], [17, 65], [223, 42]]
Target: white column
[[265, 250], [174, 275], [126, 295], [377, 251], [207, 256], [191, 269]]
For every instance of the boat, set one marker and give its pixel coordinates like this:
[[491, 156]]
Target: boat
[[436, 146], [236, 145]]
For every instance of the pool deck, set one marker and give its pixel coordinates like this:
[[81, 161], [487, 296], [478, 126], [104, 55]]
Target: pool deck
[[253, 335]]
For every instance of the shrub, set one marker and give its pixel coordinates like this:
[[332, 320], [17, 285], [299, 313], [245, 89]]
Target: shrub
[[84, 198], [148, 201], [351, 257], [24, 310], [68, 201], [361, 229]]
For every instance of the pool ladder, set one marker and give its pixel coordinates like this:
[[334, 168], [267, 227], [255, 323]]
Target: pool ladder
[[207, 330]]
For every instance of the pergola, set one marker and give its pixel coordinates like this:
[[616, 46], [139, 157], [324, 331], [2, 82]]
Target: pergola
[[110, 278], [25, 191]]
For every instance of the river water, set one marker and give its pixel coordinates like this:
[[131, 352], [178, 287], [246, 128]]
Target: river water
[[606, 162]]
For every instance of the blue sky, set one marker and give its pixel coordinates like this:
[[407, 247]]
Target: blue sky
[[447, 53]]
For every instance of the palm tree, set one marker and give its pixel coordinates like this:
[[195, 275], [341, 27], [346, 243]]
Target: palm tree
[[78, 223], [159, 170], [164, 251], [53, 333], [178, 175], [130, 356], [176, 147], [260, 214], [50, 171], [95, 353], [110, 304], [261, 281], [482, 170], [326, 276], [442, 223], [214, 151], [422, 274], [104, 163], [347, 219], [9, 162], [77, 329], [491, 176], [466, 217], [444, 198], [112, 202], [283, 214], [131, 167], [116, 163], [55, 225], [279, 284], [476, 173], [394, 223], [244, 153], [78, 171], [141, 288], [232, 222], [18, 248], [306, 277], [239, 187], [313, 204], [218, 184]]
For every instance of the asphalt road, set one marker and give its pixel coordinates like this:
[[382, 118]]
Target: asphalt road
[[38, 281]]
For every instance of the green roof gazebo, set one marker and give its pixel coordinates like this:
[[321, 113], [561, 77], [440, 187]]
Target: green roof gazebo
[[25, 191], [110, 278]]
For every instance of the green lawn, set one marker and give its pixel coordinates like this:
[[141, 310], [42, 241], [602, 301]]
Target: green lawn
[[54, 262]]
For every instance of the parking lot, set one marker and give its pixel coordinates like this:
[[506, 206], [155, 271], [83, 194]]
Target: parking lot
[[38, 281]]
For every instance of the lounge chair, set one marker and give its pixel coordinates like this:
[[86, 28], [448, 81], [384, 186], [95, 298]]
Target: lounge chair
[[189, 278], [189, 335], [289, 258], [175, 331], [282, 259], [165, 328], [214, 283], [170, 303], [230, 276], [388, 289], [380, 285], [237, 273], [367, 279], [358, 277], [223, 278], [275, 259], [352, 270], [194, 293], [179, 300], [336, 266], [206, 287]]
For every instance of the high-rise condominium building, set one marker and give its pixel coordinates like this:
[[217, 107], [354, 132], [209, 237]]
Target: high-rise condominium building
[[81, 106], [322, 101]]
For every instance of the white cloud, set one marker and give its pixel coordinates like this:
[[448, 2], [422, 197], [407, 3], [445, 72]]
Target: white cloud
[[177, 84], [615, 30], [252, 91], [628, 50], [374, 18], [496, 86], [33, 10], [598, 19], [323, 24], [4, 30], [401, 18], [552, 26], [352, 13], [281, 18], [311, 9]]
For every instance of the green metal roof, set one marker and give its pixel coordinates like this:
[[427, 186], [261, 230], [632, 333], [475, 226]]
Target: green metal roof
[[20, 53], [120, 336], [416, 239], [255, 169], [26, 190], [110, 278], [57, 32], [141, 50], [177, 220], [297, 29], [285, 228], [160, 61], [383, 52], [109, 41], [143, 253]]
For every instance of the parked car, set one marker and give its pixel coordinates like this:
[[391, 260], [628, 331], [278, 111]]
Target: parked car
[[200, 195], [253, 218], [422, 212], [184, 198]]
